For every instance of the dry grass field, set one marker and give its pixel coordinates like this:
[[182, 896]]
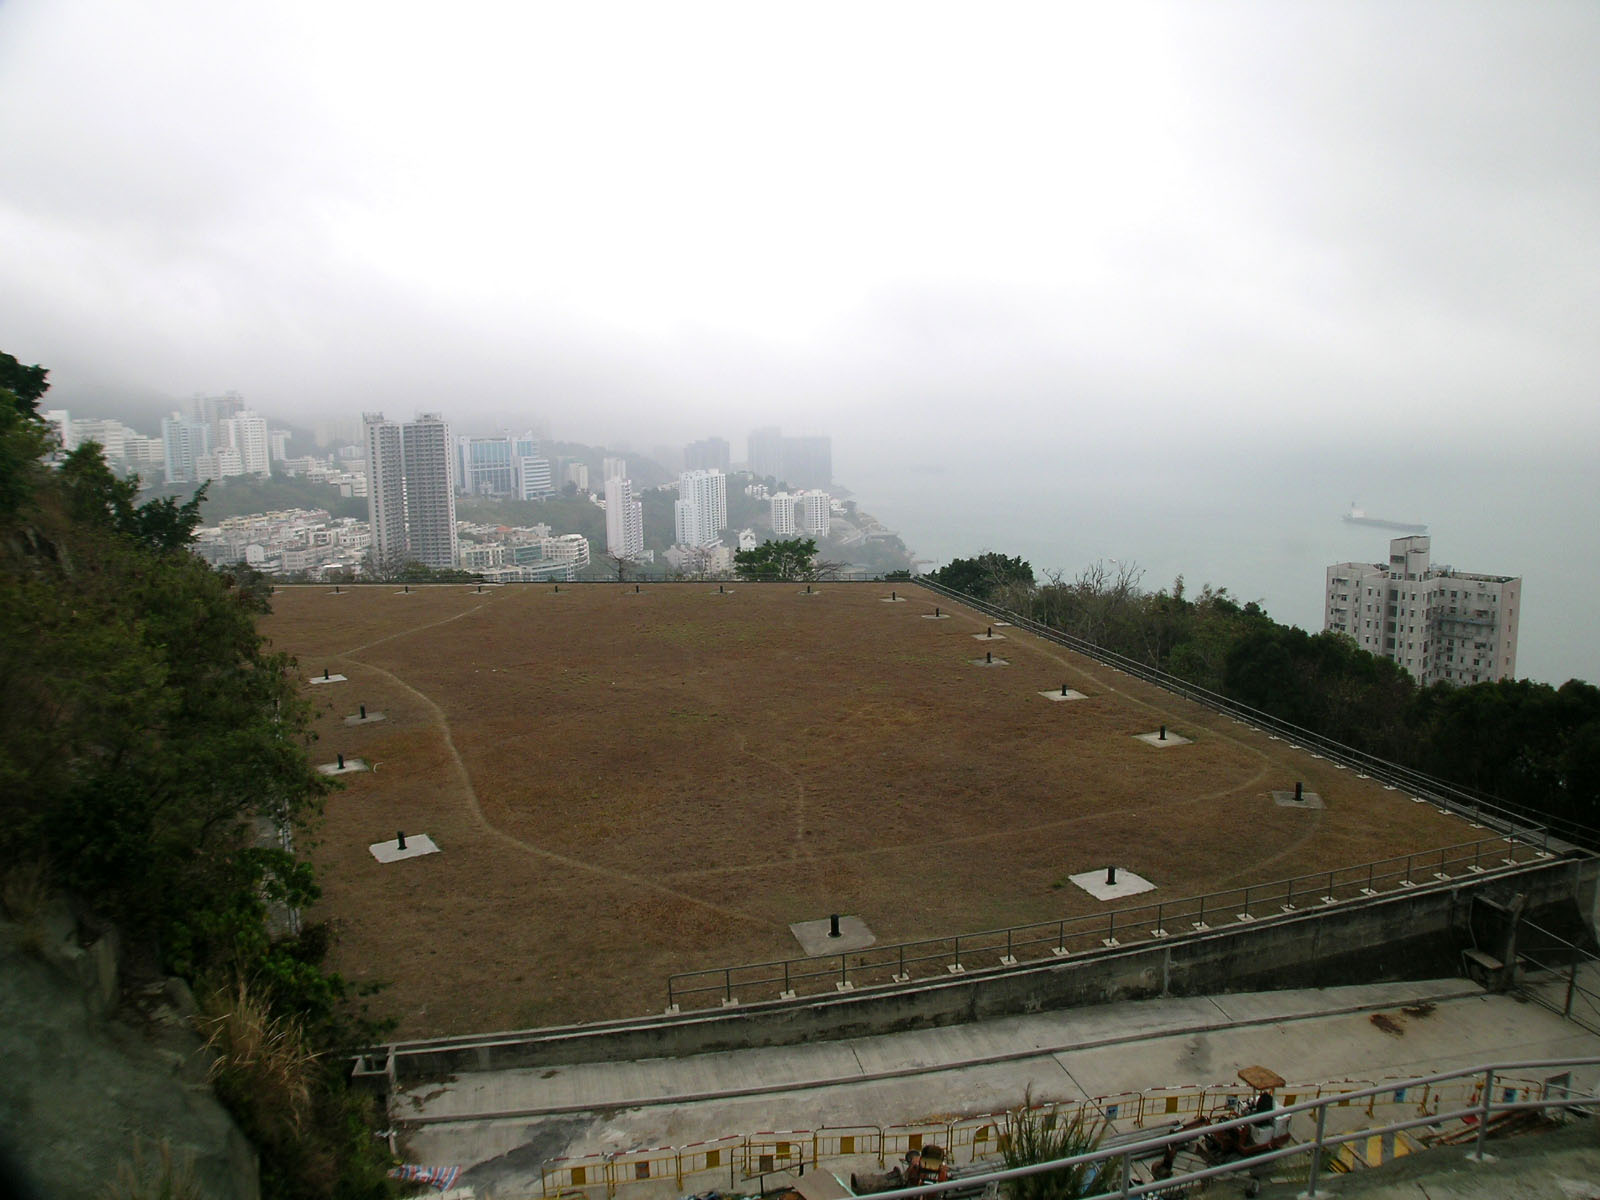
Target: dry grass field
[[625, 785]]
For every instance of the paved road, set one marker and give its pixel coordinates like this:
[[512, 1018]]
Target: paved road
[[503, 1125]]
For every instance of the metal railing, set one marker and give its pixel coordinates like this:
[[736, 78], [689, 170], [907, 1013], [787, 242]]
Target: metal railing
[[1559, 974], [968, 1141], [1482, 809], [1042, 941], [1480, 1112]]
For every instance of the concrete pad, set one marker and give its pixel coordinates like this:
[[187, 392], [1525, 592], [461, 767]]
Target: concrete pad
[[1155, 739], [811, 593], [814, 938], [403, 593], [331, 678], [1058, 694], [351, 767], [416, 844], [935, 616], [893, 600], [989, 662], [989, 637], [369, 719], [1307, 800], [1127, 884]]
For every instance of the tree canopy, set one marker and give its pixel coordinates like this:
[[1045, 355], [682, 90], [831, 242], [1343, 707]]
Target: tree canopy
[[984, 575], [790, 559], [153, 756]]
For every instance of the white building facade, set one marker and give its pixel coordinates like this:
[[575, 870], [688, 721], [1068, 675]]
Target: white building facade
[[701, 511], [624, 519], [386, 489], [1440, 624], [430, 491]]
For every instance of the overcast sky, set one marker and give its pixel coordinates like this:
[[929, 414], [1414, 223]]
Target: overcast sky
[[665, 220], [1163, 282]]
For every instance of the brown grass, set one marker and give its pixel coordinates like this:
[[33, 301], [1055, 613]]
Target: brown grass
[[262, 1066], [166, 1176], [627, 785]]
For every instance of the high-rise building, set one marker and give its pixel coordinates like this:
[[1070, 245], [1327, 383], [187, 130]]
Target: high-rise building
[[60, 420], [815, 513], [702, 509], [430, 494], [245, 432], [533, 478], [614, 468], [708, 454], [577, 474], [1438, 623], [800, 462], [764, 453], [488, 467], [808, 462], [386, 489], [624, 519], [783, 525], [184, 441], [278, 442]]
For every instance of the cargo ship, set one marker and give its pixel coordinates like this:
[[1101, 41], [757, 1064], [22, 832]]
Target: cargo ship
[[1358, 516]]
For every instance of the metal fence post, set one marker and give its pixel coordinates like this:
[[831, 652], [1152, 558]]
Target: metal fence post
[[1316, 1155], [727, 984], [1483, 1113]]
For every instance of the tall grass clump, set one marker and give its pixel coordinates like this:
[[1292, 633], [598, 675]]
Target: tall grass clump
[[165, 1177], [1036, 1135]]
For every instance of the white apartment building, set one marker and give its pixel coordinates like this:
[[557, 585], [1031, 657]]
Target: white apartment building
[[701, 511], [783, 516], [624, 518], [60, 420], [1438, 623], [246, 433], [814, 513], [614, 468], [386, 488], [430, 491], [533, 478]]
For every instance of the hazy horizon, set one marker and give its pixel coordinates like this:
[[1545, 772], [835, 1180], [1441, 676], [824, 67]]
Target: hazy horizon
[[1161, 281]]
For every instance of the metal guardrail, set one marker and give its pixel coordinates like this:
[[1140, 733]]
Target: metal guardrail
[[1481, 1111], [970, 1140], [1044, 941], [1568, 972], [1484, 809]]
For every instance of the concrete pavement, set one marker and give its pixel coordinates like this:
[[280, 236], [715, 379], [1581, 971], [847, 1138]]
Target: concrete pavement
[[502, 1126]]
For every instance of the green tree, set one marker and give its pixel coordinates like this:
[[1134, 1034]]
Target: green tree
[[148, 737], [984, 575], [791, 559], [25, 385]]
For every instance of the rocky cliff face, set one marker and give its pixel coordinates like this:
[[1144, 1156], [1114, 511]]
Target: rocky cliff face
[[93, 1077]]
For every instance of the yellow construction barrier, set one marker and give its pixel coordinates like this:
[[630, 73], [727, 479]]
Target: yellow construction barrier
[[847, 1141], [897, 1139], [776, 1150], [976, 1137], [719, 1154], [645, 1166], [581, 1173]]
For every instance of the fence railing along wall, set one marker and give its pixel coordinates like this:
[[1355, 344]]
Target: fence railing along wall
[[1043, 941], [1475, 1093]]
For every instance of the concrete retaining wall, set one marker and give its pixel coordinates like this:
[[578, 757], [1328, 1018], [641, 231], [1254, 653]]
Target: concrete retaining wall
[[1416, 934]]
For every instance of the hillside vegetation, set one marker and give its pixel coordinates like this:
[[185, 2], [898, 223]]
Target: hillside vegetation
[[152, 749], [1528, 743]]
